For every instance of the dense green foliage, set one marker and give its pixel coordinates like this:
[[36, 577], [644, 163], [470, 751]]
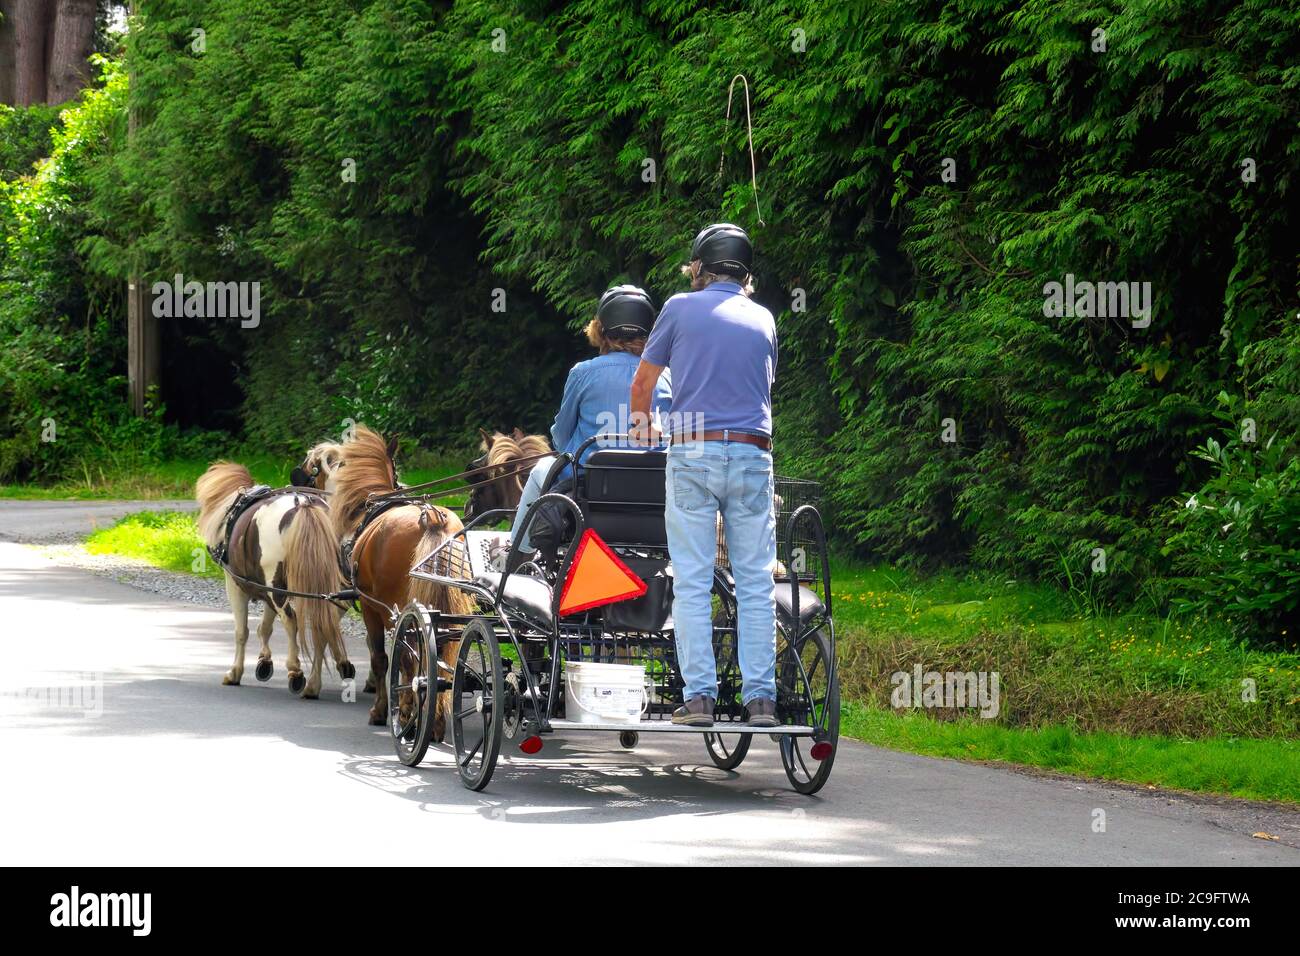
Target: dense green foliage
[[505, 145], [926, 297]]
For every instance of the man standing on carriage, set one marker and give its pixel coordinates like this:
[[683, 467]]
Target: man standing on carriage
[[720, 346]]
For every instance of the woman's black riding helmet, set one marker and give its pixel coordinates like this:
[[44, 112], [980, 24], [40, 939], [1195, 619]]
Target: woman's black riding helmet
[[625, 312], [724, 248]]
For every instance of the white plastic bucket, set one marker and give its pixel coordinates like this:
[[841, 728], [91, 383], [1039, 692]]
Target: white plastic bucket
[[605, 693]]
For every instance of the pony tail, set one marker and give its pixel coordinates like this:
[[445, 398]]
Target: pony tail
[[311, 566], [436, 528]]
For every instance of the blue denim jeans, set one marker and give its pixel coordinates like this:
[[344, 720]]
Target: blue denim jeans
[[532, 491], [733, 479]]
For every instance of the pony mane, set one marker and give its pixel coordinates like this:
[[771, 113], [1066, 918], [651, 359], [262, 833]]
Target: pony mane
[[503, 449], [506, 450], [534, 445], [364, 470], [322, 452]]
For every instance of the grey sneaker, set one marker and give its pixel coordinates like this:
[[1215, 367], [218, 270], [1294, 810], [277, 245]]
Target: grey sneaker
[[762, 712], [696, 712]]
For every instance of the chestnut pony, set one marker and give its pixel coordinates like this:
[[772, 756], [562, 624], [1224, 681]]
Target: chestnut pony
[[383, 553]]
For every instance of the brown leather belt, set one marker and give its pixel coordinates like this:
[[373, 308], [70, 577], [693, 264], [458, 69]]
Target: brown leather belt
[[762, 441]]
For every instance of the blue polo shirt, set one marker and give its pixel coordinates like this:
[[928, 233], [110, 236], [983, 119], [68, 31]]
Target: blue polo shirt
[[721, 348]]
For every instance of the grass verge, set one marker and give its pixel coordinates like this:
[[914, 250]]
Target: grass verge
[[1254, 769], [175, 479], [165, 539]]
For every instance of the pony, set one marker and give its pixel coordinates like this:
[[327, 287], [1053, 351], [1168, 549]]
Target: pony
[[285, 538], [384, 550], [508, 460], [319, 467]]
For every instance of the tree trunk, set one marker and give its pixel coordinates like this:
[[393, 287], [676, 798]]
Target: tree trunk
[[73, 39], [7, 64], [30, 20], [143, 329]]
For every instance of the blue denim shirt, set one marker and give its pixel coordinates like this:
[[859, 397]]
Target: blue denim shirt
[[597, 398]]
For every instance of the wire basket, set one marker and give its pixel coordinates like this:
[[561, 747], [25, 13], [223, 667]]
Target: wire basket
[[789, 494], [467, 554]]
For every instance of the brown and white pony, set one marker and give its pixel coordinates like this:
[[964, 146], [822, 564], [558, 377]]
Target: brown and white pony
[[285, 540], [383, 553], [508, 459]]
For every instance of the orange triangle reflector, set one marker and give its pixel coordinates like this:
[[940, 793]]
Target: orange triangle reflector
[[597, 576]]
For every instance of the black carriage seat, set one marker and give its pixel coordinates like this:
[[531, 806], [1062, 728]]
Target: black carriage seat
[[810, 605], [525, 595], [623, 495]]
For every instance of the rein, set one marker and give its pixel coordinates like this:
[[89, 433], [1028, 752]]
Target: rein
[[347, 595], [237, 507], [406, 490]]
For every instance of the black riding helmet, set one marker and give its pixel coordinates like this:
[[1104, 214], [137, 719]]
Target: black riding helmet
[[723, 247], [625, 312]]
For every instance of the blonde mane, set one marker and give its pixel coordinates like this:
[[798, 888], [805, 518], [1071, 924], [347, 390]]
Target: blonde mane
[[326, 456], [506, 450], [365, 470], [534, 445]]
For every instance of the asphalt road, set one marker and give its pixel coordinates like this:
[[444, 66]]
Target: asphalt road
[[56, 521], [122, 747]]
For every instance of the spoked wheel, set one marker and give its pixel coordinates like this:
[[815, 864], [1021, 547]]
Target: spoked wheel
[[477, 694], [411, 674], [806, 773], [727, 750]]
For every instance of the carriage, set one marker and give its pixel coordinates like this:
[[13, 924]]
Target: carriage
[[507, 665]]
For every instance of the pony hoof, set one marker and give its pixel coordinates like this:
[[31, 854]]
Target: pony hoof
[[297, 684], [370, 686], [378, 720], [347, 670], [310, 695], [265, 668], [230, 681]]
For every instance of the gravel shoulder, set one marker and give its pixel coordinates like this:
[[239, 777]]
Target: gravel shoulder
[[190, 588]]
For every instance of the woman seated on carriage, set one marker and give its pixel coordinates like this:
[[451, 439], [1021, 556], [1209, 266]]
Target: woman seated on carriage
[[597, 391]]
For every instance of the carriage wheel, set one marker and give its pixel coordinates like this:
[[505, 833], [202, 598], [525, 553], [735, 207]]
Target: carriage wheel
[[410, 675], [477, 695], [806, 774], [728, 751]]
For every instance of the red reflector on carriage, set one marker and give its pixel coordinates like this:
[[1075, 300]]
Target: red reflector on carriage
[[530, 745], [597, 576], [820, 751]]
